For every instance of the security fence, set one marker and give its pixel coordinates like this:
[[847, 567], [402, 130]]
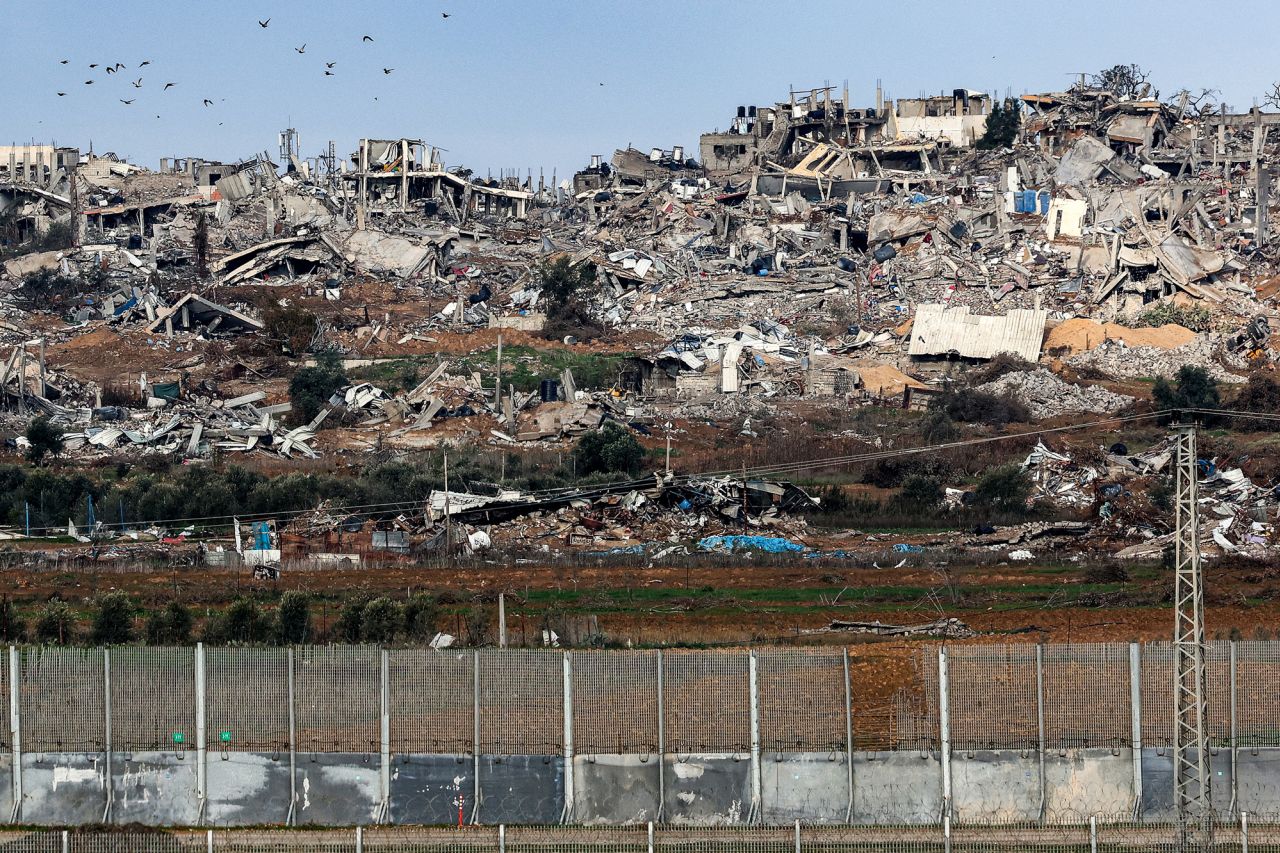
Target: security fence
[[341, 699], [1244, 835]]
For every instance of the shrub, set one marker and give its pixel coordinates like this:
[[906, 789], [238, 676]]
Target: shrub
[[49, 285], [113, 620], [12, 628], [919, 494], [421, 615], [293, 619], [1192, 388], [350, 622], [1261, 395], [610, 450], [56, 624], [45, 438], [242, 622], [1194, 317], [170, 626], [1003, 489], [380, 621], [292, 325], [981, 407], [311, 387]]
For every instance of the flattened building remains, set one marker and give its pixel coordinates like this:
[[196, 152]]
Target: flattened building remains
[[814, 252]]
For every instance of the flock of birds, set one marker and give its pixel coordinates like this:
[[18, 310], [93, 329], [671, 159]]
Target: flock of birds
[[118, 67]]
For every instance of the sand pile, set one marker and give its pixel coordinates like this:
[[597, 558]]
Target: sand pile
[[1081, 334]]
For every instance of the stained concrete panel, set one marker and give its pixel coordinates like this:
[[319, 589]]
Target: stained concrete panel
[[812, 787], [6, 786], [338, 788], [995, 786], [1157, 782], [521, 788], [1258, 780], [708, 790], [247, 789], [64, 788], [897, 787], [428, 789], [615, 789], [155, 788], [1082, 783]]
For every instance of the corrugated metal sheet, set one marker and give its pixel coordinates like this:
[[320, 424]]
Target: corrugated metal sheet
[[938, 330]]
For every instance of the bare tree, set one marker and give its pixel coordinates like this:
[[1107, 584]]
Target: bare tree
[[1202, 104], [1125, 81], [1272, 98]]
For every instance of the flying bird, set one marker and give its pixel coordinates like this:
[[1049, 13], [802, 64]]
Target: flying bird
[[111, 69], [144, 63], [444, 14], [263, 24], [367, 38], [330, 64], [88, 82], [302, 49], [130, 101], [328, 73], [62, 94], [64, 62], [168, 86], [119, 65], [93, 65], [208, 103], [387, 70], [137, 84]]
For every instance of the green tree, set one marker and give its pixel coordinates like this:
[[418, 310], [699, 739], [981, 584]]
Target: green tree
[[242, 622], [112, 620], [1003, 489], [56, 624], [170, 626], [562, 281], [609, 450], [1192, 388], [350, 622], [311, 387], [1003, 123], [380, 621], [45, 439], [919, 494], [421, 615], [293, 620]]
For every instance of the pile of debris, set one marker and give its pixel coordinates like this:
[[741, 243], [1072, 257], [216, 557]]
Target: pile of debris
[[1047, 396]]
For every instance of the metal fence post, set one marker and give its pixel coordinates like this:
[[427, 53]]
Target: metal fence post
[[1244, 832], [757, 777], [848, 734], [293, 745], [502, 838], [384, 736], [662, 750], [650, 836], [944, 735], [208, 841], [1040, 725], [797, 835], [202, 770], [15, 730], [1135, 723], [475, 736], [1235, 783], [1093, 834], [359, 839], [66, 841], [569, 798], [106, 710]]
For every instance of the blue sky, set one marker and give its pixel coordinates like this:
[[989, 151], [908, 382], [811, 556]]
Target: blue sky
[[517, 83]]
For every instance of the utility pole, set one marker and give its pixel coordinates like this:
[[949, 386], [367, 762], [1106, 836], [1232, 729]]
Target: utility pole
[[668, 430], [1190, 743], [448, 521]]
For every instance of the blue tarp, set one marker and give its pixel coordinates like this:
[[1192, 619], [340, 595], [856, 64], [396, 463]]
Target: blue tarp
[[904, 548], [770, 544]]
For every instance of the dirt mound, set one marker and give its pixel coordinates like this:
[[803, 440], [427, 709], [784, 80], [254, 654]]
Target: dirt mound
[[885, 379], [1081, 334]]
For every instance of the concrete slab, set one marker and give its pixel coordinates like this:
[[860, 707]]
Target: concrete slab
[[63, 788], [615, 789], [1082, 783], [338, 788], [6, 786], [812, 787], [521, 789], [426, 789], [996, 786], [1258, 780], [1157, 782], [897, 787], [247, 789], [155, 789], [708, 790]]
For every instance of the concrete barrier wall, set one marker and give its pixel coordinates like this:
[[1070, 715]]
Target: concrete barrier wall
[[525, 747]]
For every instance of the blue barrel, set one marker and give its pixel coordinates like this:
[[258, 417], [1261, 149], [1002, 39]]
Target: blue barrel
[[1019, 203], [549, 390], [1029, 201], [1044, 202]]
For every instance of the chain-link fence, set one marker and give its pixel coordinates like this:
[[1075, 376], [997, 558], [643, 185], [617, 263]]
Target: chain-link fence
[[1080, 838], [332, 699]]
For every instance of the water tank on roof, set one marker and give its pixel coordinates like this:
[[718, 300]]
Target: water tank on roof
[[677, 152], [751, 111], [655, 154], [742, 112]]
